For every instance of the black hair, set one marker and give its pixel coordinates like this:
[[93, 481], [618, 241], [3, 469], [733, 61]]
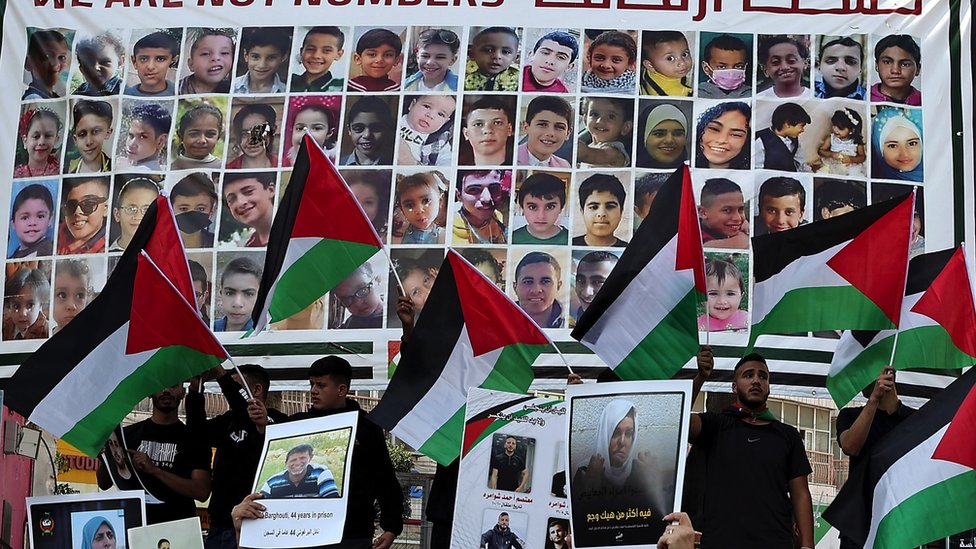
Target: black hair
[[27, 277], [379, 181], [256, 374], [277, 38], [39, 38], [617, 39], [375, 38], [716, 186], [158, 118], [137, 182], [476, 256], [833, 194], [543, 185], [92, 46], [194, 184], [262, 109], [563, 39], [903, 41], [599, 257], [602, 182], [846, 41], [724, 42], [493, 103], [849, 119], [158, 39], [266, 179], [723, 268], [436, 36], [373, 105], [550, 103], [161, 542], [329, 30], [101, 109], [649, 183], [751, 357], [300, 449], [765, 44], [72, 183], [739, 161], [241, 265], [199, 110], [496, 30], [789, 113], [537, 257], [650, 39], [333, 366], [197, 272], [776, 187], [34, 191]]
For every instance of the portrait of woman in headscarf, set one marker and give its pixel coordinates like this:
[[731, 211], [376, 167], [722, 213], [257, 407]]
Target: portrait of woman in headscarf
[[98, 533], [897, 144], [664, 129]]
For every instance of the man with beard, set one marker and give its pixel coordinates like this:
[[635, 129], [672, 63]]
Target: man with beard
[[508, 470], [756, 466], [173, 467], [558, 528], [500, 536]]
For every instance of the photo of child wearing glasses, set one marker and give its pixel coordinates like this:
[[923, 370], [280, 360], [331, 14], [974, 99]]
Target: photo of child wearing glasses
[[135, 195], [83, 212], [359, 295]]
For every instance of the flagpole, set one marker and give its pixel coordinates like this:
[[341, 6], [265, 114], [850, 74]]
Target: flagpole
[[250, 395], [562, 356]]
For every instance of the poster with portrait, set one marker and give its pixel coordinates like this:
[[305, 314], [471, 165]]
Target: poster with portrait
[[177, 534], [84, 520], [626, 453], [303, 478], [511, 483], [118, 462]]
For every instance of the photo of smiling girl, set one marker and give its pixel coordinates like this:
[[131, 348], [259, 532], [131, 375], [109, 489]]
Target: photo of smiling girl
[[317, 114], [39, 146], [199, 140], [723, 136], [663, 133], [132, 198], [91, 137]]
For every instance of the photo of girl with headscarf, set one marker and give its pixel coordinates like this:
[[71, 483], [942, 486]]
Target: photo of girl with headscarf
[[663, 128], [896, 144]]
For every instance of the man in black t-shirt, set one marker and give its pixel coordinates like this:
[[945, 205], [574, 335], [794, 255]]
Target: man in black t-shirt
[[756, 467], [174, 467], [858, 429], [508, 470]]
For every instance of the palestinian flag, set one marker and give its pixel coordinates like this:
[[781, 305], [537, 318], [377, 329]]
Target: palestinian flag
[[937, 330], [918, 483], [137, 337], [320, 235], [843, 273], [469, 335], [643, 322]]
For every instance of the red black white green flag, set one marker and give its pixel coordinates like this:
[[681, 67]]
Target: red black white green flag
[[642, 322], [918, 483], [842, 273], [319, 236], [937, 329], [470, 335], [139, 335]]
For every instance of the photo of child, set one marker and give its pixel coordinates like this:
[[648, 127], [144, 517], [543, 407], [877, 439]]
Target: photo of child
[[778, 146], [194, 200], [209, 60], [547, 124], [155, 57], [482, 200], [249, 199], [146, 129], [39, 147], [91, 137], [133, 196], [541, 199], [842, 150], [591, 270], [31, 232], [372, 191], [492, 59], [489, 262], [487, 125], [320, 49], [200, 265], [240, 277], [726, 307], [606, 140], [896, 144], [610, 62], [722, 215], [26, 298], [426, 130], [898, 60], [377, 64], [723, 136], [75, 283], [834, 197], [664, 129], [83, 211], [782, 203], [725, 66], [357, 302], [433, 61], [371, 131], [263, 62], [254, 134], [666, 63], [47, 62], [645, 191], [417, 268], [317, 114], [602, 202], [840, 67], [101, 59], [551, 64], [199, 140], [784, 64], [421, 200]]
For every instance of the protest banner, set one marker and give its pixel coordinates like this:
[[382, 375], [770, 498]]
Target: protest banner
[[512, 472], [626, 448], [303, 478], [76, 520]]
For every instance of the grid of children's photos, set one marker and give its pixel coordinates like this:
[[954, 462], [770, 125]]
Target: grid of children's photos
[[535, 151]]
